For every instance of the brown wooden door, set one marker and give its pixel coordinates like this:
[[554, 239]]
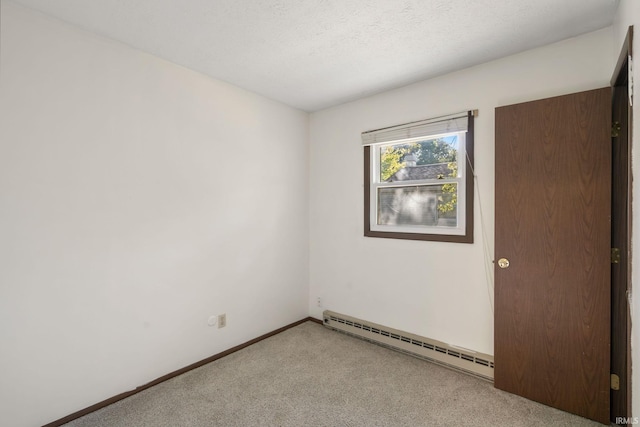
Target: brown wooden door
[[552, 304]]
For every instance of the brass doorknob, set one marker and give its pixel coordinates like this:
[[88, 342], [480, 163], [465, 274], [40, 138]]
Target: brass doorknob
[[503, 263]]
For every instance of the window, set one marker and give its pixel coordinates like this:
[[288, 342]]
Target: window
[[419, 180]]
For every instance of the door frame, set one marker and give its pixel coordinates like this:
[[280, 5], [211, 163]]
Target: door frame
[[620, 291]]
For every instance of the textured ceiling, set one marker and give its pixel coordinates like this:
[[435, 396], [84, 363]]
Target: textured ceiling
[[313, 54]]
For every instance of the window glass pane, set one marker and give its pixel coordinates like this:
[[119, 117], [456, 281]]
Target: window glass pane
[[430, 205], [428, 159]]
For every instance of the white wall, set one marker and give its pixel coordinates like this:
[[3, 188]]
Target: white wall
[[434, 289], [137, 198], [628, 13]]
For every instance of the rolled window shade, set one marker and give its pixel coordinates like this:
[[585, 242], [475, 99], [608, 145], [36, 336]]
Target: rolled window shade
[[422, 129]]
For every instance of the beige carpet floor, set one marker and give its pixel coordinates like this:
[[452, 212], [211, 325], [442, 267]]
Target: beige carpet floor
[[312, 376]]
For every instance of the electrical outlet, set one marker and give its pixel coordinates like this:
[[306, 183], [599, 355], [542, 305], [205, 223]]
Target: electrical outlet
[[222, 320], [319, 302]]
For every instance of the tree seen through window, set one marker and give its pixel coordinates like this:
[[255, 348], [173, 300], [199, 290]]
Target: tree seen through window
[[396, 161]]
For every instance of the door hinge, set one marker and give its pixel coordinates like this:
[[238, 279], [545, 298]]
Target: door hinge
[[615, 382], [615, 256], [615, 130], [630, 82]]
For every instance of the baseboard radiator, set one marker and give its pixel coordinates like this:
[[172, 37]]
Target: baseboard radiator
[[468, 361]]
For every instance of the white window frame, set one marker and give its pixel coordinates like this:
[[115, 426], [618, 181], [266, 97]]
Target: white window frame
[[460, 124], [376, 183]]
